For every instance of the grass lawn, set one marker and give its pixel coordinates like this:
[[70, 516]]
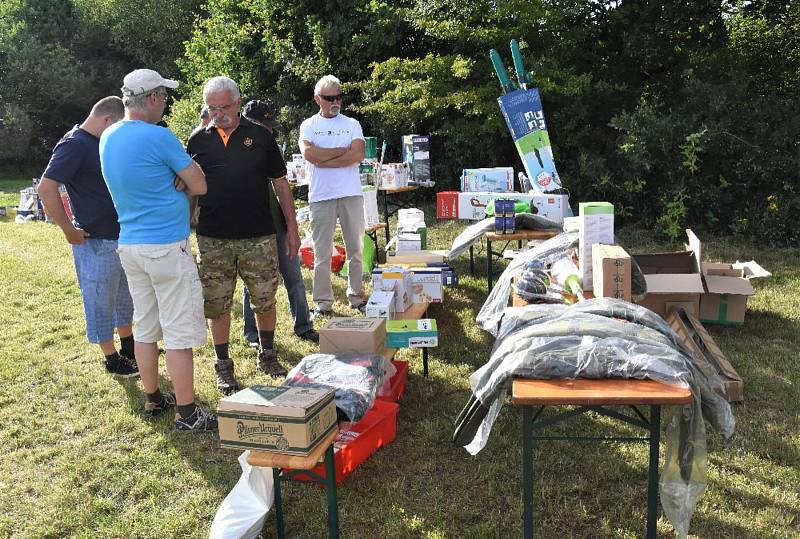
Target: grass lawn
[[80, 461], [10, 188]]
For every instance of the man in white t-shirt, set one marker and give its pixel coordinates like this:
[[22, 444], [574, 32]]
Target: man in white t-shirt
[[333, 146]]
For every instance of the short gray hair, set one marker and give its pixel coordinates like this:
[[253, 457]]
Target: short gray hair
[[328, 81], [219, 84], [140, 101]]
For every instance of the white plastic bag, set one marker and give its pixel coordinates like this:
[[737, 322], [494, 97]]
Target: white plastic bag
[[244, 509]]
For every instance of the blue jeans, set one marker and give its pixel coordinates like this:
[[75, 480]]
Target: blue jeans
[[295, 288]]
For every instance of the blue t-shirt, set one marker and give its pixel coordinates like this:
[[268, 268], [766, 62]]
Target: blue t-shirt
[[76, 164], [140, 161]]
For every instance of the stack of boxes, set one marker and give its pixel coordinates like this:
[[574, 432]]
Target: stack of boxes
[[504, 216]]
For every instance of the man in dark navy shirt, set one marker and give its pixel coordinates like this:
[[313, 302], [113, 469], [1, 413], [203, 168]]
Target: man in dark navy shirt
[[107, 303], [235, 228]]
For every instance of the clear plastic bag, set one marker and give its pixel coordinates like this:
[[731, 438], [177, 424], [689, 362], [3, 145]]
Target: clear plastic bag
[[244, 510], [354, 378], [605, 338]]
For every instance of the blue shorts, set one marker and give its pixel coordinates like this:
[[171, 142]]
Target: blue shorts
[[107, 302]]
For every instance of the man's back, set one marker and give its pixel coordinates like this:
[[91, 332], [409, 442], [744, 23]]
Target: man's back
[[139, 162]]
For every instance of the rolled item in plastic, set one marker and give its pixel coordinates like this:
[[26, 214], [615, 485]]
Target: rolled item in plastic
[[566, 273]]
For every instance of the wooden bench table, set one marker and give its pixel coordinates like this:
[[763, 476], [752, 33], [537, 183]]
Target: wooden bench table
[[594, 395], [492, 256], [415, 312]]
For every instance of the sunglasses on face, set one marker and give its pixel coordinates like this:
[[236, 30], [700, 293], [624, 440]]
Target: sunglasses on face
[[331, 98]]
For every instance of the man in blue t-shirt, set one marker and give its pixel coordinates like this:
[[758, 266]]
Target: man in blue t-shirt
[[149, 176], [93, 234]]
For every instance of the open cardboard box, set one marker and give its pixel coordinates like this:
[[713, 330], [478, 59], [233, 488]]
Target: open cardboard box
[[673, 279], [727, 287]]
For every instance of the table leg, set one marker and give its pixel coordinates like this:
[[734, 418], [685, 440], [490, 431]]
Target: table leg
[[333, 506], [276, 479], [471, 261], [489, 266], [425, 353], [386, 215], [652, 479], [527, 471]]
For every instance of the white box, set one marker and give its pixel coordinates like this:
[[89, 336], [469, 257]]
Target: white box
[[426, 285], [472, 206], [496, 179], [553, 207], [371, 215], [394, 175], [409, 241], [381, 304], [597, 226], [397, 279]]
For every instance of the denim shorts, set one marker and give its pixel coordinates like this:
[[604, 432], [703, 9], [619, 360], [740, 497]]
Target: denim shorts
[[106, 300]]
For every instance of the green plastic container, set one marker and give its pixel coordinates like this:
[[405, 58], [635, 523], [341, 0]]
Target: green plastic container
[[371, 150]]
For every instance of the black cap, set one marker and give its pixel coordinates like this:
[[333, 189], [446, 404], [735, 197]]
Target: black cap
[[262, 111]]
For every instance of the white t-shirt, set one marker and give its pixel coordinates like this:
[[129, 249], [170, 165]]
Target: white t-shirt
[[336, 132]]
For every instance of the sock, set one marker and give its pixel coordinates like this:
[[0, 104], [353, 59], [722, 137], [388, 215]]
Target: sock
[[112, 358], [185, 410], [154, 397], [221, 350], [266, 339], [126, 345]]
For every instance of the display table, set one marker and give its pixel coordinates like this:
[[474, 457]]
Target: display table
[[415, 312], [593, 395], [302, 465], [492, 256]]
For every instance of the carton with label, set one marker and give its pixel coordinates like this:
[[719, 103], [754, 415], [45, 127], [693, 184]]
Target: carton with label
[[291, 420], [416, 258], [409, 241], [494, 179], [380, 304], [472, 205], [393, 175], [727, 287], [416, 153], [412, 333], [596, 226], [397, 279], [447, 205], [611, 272], [552, 207], [359, 335], [426, 285]]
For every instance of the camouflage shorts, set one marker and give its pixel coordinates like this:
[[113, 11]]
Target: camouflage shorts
[[219, 261]]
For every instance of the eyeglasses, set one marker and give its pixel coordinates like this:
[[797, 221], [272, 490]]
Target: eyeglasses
[[331, 98], [163, 95], [220, 108]]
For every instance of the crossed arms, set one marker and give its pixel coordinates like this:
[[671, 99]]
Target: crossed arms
[[333, 157]]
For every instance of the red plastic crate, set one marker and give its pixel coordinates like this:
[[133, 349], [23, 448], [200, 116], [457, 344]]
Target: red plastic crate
[[393, 389], [355, 444], [337, 260]]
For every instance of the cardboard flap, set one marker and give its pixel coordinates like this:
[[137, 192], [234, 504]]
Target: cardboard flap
[[724, 270], [696, 247], [751, 269], [666, 283], [718, 284], [701, 343]]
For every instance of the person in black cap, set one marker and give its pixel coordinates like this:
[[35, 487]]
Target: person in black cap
[[263, 112]]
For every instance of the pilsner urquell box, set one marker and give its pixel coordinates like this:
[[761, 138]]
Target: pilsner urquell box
[[292, 420]]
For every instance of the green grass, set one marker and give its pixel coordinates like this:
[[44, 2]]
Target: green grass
[[79, 460], [10, 188]]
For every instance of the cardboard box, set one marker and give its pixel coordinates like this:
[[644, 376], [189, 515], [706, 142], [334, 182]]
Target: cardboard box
[[611, 272], [412, 333], [705, 350], [596, 226], [447, 205], [409, 241], [416, 152], [673, 279], [426, 285], [472, 205], [381, 304], [397, 279], [727, 287], [360, 335], [552, 207], [393, 175], [416, 258], [371, 213], [290, 420], [494, 179]]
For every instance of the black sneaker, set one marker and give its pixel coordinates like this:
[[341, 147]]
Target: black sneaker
[[268, 363], [317, 313], [155, 409], [361, 307], [122, 366], [200, 420], [226, 381], [310, 335]]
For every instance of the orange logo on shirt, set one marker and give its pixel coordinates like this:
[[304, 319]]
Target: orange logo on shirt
[[248, 141]]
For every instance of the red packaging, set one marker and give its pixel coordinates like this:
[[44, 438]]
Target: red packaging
[[392, 390], [447, 205], [337, 260]]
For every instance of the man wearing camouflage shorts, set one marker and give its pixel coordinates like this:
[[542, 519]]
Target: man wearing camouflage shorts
[[235, 230]]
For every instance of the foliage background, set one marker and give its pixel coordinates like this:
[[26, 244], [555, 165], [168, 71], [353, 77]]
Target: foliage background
[[681, 113]]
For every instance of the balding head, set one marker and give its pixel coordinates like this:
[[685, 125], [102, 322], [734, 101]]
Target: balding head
[[109, 106]]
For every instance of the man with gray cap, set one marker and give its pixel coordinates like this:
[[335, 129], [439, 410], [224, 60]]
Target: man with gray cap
[[149, 176]]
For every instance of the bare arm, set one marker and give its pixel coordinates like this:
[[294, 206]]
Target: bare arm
[[316, 155], [193, 180], [286, 200], [51, 198], [354, 155]]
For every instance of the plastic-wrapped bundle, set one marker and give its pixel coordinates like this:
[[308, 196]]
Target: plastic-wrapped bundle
[[605, 338], [471, 234], [354, 378]]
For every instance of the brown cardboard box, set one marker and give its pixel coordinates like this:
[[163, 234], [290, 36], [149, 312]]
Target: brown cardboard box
[[673, 279], [360, 335], [416, 257], [611, 272], [705, 350], [727, 287], [290, 420]]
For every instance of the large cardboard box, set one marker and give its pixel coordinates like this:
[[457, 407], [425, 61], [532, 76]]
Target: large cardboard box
[[291, 420], [727, 287], [472, 205], [414, 258], [611, 272], [552, 207], [426, 285], [673, 279], [495, 179], [596, 226], [705, 350], [412, 333], [447, 205], [416, 152], [360, 335]]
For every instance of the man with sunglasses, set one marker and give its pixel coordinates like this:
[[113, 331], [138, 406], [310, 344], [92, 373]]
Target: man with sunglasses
[[333, 146]]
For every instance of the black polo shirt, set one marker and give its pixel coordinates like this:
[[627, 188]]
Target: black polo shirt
[[236, 205]]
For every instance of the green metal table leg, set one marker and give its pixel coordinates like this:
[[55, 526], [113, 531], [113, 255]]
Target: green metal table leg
[[276, 479], [489, 266], [527, 471], [652, 480], [333, 506], [386, 214], [471, 261]]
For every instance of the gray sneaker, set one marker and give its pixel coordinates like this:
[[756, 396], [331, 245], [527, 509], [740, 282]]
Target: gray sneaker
[[226, 381], [268, 363], [200, 420]]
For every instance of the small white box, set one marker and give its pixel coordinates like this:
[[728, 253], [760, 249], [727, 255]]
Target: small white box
[[553, 207], [394, 175], [409, 241], [397, 279], [426, 285], [381, 304], [597, 226]]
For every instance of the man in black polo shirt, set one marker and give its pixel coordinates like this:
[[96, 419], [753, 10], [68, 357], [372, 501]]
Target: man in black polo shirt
[[235, 230]]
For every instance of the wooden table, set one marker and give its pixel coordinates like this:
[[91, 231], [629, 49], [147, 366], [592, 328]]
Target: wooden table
[[395, 205], [594, 395], [519, 236], [415, 312], [302, 464]]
